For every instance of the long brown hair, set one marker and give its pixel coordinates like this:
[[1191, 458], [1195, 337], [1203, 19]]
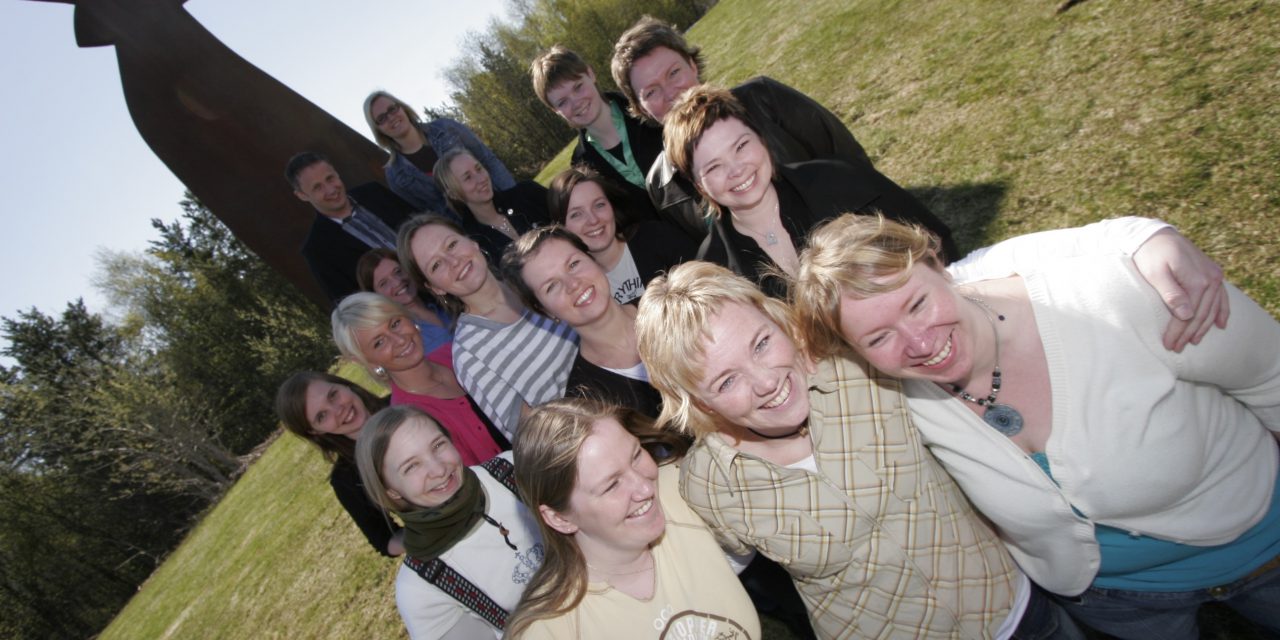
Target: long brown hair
[[546, 469], [291, 407]]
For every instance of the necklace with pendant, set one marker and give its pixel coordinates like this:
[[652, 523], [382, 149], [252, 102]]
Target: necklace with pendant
[[1001, 417]]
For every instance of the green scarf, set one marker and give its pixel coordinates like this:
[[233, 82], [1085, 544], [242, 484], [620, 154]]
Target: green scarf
[[433, 531]]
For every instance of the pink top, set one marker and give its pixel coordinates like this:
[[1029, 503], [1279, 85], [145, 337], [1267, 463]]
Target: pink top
[[470, 435]]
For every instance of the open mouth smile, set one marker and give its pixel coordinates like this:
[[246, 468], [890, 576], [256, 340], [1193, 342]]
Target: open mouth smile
[[586, 297], [746, 185], [940, 357], [644, 508], [783, 395]]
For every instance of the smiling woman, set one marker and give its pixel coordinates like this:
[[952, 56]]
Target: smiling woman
[[625, 555], [379, 271], [816, 465], [763, 211], [328, 412], [1134, 482], [415, 146], [507, 357], [378, 333], [586, 204], [471, 546], [554, 274], [492, 216]]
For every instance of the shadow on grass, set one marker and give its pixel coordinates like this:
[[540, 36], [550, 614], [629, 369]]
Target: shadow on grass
[[966, 208]]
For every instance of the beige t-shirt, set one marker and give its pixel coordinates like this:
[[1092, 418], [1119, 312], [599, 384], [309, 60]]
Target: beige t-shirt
[[697, 595]]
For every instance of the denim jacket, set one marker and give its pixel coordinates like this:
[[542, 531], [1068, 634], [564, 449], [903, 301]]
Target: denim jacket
[[420, 189]]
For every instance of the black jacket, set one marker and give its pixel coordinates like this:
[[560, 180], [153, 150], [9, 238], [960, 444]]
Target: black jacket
[[794, 126], [587, 380], [524, 205], [374, 522], [332, 253]]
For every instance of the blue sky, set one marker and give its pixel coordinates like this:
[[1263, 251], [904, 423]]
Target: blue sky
[[76, 175]]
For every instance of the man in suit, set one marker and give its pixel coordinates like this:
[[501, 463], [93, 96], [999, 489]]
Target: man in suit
[[346, 224]]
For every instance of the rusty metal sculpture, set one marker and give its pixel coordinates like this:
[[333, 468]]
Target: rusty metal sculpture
[[224, 127]]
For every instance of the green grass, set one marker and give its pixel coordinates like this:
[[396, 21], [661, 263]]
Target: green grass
[[1004, 117], [276, 558]]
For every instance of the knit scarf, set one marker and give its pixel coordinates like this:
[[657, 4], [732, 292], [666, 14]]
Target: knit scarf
[[433, 531]]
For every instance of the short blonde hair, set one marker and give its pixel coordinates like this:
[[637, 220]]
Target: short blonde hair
[[672, 328], [699, 109], [558, 64], [363, 310], [856, 255]]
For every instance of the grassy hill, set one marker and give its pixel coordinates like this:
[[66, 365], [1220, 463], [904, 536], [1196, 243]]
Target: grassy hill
[[1004, 117]]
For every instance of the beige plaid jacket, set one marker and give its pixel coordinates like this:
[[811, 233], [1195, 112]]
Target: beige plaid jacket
[[881, 544]]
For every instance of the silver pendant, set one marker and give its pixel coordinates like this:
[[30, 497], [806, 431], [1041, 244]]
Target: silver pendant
[[1003, 418], [770, 238]]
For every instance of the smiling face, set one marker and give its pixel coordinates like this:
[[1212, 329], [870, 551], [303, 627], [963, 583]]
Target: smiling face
[[320, 186], [659, 77], [334, 409], [473, 180], [732, 165], [568, 283], [615, 503], [752, 374], [450, 263], [390, 281], [919, 330], [389, 117], [394, 345], [590, 217], [578, 101], [421, 465]]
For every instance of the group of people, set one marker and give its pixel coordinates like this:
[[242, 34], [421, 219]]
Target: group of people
[[723, 366]]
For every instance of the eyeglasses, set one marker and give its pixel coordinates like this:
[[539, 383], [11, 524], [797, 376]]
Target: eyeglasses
[[381, 118]]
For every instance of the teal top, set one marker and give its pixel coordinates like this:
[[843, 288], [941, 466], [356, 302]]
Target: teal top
[[627, 166], [1142, 563]]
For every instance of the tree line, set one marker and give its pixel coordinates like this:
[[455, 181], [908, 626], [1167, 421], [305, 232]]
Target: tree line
[[115, 435]]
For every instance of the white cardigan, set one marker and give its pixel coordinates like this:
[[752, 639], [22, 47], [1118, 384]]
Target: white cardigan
[[1169, 445]]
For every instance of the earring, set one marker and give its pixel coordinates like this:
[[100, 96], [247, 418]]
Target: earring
[[380, 372]]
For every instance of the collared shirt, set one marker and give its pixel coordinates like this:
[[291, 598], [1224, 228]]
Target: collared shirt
[[626, 165], [368, 228], [881, 543]]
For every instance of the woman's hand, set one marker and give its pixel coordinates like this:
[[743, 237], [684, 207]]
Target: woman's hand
[[1190, 283]]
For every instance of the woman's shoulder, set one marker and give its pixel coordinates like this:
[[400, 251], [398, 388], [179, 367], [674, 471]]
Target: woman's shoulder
[[564, 625]]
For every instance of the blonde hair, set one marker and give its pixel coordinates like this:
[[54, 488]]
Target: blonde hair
[[856, 255], [558, 64], [546, 449], [448, 182], [699, 109], [672, 328], [385, 141], [363, 310]]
